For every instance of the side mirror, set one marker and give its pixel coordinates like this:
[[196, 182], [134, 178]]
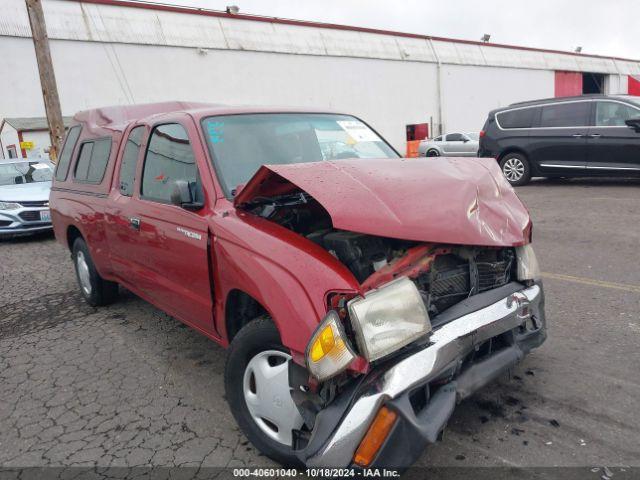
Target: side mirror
[[633, 123], [465, 139], [238, 189], [181, 196]]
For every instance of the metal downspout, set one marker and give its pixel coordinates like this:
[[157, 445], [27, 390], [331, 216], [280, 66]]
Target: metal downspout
[[615, 64], [439, 66]]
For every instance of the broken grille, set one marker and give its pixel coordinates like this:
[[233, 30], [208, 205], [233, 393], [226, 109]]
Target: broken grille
[[452, 279], [451, 284], [493, 274]]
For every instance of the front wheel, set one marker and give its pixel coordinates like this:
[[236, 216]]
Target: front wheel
[[432, 153], [516, 169], [258, 392]]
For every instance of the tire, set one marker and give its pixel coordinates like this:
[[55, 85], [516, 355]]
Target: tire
[[432, 153], [516, 169], [95, 290], [257, 346]]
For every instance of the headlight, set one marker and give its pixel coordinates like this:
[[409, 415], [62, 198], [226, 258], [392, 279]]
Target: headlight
[[9, 206], [528, 268], [389, 318], [328, 352]]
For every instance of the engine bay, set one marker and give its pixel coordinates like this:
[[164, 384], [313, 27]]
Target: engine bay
[[448, 274]]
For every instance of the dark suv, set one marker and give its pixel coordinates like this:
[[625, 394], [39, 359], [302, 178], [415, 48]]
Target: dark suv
[[561, 137]]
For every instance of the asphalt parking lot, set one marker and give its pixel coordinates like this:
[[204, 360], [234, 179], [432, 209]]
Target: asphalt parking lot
[[126, 385]]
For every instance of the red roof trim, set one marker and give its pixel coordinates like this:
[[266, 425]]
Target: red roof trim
[[331, 26]]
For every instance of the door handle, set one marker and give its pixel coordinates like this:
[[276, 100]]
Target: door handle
[[578, 135], [135, 223], [594, 135]]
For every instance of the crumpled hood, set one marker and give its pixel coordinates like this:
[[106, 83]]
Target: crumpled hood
[[34, 192], [463, 201]]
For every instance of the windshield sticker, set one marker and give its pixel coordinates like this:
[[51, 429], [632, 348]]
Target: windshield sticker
[[215, 130], [358, 131], [40, 166]]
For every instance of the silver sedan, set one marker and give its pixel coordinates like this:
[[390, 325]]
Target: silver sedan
[[24, 197], [450, 145]]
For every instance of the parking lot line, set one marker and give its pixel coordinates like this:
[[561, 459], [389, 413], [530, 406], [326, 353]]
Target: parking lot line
[[592, 282]]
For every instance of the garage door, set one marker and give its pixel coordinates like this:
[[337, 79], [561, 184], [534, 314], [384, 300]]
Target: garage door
[[634, 85], [568, 84]]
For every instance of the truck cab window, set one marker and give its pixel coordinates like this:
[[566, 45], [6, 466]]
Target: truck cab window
[[129, 161], [65, 156], [169, 158], [92, 161]]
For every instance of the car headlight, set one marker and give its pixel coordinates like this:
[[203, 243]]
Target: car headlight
[[9, 206], [328, 352], [528, 268], [388, 318]]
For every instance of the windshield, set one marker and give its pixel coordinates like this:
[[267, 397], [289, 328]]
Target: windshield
[[24, 172], [473, 136], [241, 144]]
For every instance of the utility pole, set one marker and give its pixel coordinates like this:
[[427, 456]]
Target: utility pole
[[47, 76]]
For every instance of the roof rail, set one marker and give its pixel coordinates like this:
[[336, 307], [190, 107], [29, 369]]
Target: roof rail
[[557, 99]]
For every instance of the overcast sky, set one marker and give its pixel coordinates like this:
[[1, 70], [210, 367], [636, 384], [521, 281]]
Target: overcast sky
[[605, 27]]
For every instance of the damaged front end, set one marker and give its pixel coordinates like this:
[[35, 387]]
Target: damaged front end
[[451, 320], [431, 321], [420, 385]]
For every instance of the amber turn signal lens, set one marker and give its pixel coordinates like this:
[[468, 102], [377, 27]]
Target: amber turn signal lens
[[323, 344], [375, 437], [328, 352]]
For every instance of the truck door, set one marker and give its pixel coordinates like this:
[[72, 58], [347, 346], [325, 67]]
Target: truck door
[[120, 232], [169, 247]]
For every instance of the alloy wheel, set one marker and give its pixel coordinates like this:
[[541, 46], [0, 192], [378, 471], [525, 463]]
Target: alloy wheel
[[513, 169]]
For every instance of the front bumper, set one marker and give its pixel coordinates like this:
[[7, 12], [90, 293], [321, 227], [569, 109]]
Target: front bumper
[[23, 221], [423, 387]]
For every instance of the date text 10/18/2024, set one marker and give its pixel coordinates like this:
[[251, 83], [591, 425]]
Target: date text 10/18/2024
[[317, 472]]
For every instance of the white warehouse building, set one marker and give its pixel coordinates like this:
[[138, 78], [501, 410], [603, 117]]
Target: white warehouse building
[[109, 52]]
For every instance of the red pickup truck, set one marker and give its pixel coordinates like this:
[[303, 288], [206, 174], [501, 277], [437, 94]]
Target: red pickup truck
[[361, 295]]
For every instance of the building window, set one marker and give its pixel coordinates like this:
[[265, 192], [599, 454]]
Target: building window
[[592, 83], [12, 151]]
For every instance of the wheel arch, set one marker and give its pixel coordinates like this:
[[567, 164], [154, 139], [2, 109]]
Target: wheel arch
[[287, 276], [509, 150], [73, 233], [240, 309]]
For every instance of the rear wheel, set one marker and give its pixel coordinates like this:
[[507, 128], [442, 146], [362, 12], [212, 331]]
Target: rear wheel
[[95, 289], [516, 169], [258, 392]]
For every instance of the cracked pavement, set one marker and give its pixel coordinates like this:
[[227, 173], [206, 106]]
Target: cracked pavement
[[127, 385], [124, 385]]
